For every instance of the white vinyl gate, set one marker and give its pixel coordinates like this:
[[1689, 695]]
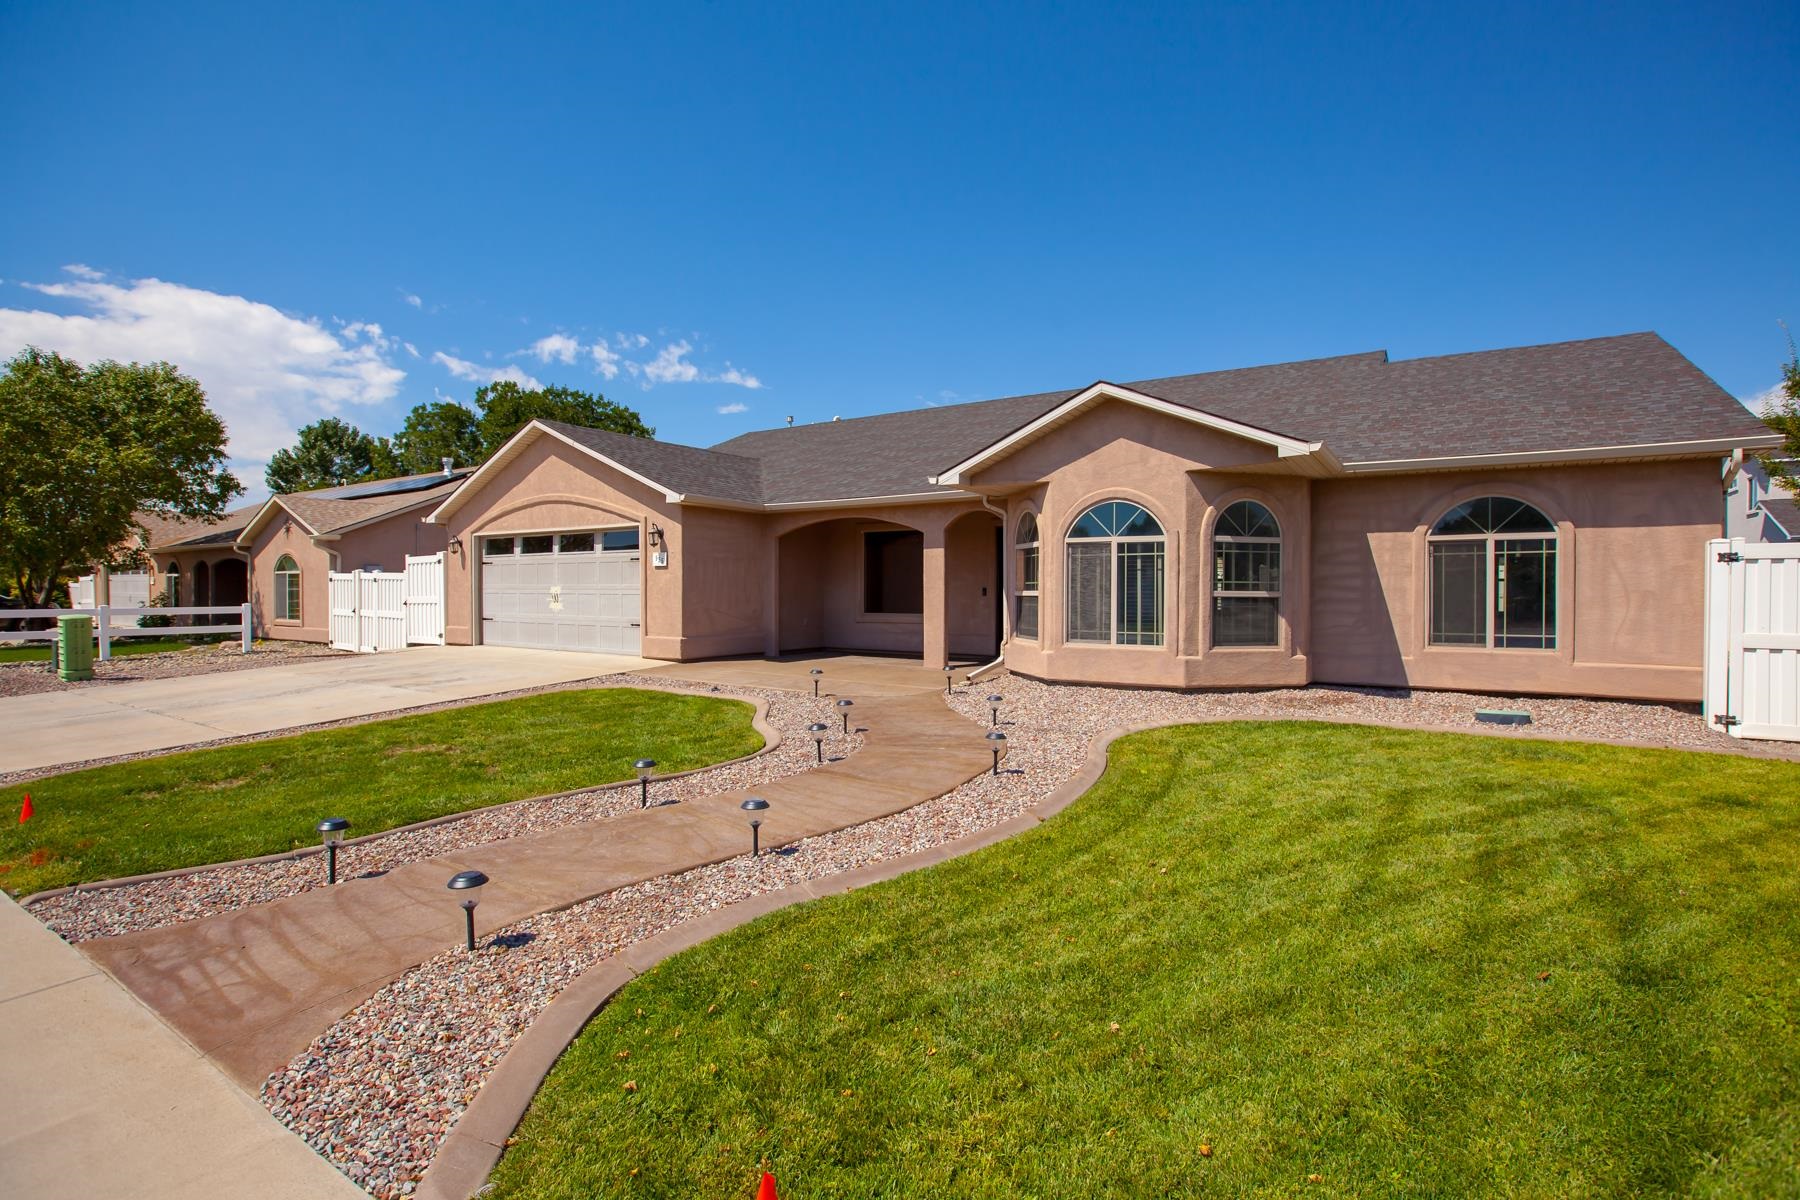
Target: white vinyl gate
[[388, 610], [1752, 665]]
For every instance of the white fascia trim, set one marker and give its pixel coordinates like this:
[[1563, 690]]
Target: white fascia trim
[[1577, 454], [865, 501], [262, 514], [513, 448], [1285, 447]]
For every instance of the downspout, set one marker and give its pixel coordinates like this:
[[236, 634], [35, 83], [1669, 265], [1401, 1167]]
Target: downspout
[[1728, 476], [1004, 599]]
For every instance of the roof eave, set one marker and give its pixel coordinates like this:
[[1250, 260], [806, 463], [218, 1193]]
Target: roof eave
[[515, 446], [1692, 448]]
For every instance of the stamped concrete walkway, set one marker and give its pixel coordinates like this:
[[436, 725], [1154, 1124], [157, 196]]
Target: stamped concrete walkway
[[103, 1099], [50, 729], [254, 987]]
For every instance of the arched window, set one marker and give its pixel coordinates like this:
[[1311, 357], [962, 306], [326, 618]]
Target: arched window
[[1025, 617], [1246, 577], [1116, 576], [287, 589], [1493, 576], [172, 584]]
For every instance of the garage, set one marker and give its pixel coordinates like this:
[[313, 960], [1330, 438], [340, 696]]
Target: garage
[[574, 590]]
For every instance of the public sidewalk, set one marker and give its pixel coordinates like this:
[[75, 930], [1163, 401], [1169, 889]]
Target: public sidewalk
[[104, 1100]]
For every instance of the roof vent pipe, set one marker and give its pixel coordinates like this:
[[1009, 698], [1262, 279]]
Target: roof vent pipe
[[449, 464], [790, 422], [837, 418]]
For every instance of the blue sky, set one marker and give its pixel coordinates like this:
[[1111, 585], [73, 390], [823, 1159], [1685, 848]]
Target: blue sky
[[858, 211]]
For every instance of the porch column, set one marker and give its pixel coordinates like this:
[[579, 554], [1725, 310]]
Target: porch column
[[771, 608], [937, 637]]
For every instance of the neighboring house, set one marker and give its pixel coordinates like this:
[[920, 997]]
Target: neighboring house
[[294, 541], [1524, 520], [194, 562], [1759, 508]]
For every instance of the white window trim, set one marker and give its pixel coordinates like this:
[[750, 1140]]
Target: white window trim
[[1112, 574], [1036, 590], [283, 611], [1237, 539]]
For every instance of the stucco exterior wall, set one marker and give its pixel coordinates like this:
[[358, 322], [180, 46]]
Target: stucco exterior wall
[[284, 535]]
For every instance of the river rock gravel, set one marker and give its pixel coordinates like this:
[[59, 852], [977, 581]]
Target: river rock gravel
[[30, 678]]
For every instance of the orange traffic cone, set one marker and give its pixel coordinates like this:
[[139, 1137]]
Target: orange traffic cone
[[767, 1190], [25, 809]]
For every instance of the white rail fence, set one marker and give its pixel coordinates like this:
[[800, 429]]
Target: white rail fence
[[106, 626], [371, 611], [1752, 663]]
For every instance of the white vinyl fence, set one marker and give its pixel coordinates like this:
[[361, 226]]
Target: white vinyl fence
[[371, 611], [107, 627], [1752, 664], [129, 590]]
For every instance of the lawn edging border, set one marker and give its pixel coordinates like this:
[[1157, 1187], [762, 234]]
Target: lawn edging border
[[473, 1146], [759, 722]]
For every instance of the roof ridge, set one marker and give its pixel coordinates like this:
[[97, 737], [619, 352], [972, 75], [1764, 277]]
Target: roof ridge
[[1611, 337], [749, 458]]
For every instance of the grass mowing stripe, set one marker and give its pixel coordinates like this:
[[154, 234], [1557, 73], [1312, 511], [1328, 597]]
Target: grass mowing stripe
[[1404, 963], [263, 797]]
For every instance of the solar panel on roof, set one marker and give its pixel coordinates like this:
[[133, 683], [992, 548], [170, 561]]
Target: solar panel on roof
[[384, 487]]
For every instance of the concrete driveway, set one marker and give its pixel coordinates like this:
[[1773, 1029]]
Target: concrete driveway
[[47, 730]]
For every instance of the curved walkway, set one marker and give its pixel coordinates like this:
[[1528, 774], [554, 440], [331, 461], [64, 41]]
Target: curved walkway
[[254, 987]]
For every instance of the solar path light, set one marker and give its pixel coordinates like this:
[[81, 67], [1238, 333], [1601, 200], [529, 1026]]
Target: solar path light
[[816, 672], [819, 729], [844, 707], [644, 767], [997, 740], [469, 883], [949, 674], [755, 804], [994, 703], [331, 830]]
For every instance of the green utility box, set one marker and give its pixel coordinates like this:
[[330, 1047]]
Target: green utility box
[[75, 648]]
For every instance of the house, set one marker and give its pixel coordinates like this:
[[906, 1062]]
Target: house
[[1759, 507], [195, 562], [1524, 520], [295, 540]]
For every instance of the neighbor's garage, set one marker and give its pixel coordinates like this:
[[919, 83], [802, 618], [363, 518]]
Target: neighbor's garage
[[563, 591]]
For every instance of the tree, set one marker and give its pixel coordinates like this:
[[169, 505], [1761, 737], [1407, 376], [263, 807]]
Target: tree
[[1783, 416], [432, 433], [506, 408], [82, 449], [330, 452]]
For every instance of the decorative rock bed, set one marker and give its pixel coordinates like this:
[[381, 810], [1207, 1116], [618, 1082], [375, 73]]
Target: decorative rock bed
[[30, 678]]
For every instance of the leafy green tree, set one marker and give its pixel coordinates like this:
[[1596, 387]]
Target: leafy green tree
[[506, 408], [330, 452], [82, 449], [1783, 416], [432, 433]]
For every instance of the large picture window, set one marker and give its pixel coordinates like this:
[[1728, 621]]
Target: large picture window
[[1493, 576], [894, 572], [287, 589], [1115, 565], [1246, 577], [1025, 618]]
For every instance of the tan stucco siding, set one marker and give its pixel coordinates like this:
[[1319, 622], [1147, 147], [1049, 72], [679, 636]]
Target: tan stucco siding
[[284, 535]]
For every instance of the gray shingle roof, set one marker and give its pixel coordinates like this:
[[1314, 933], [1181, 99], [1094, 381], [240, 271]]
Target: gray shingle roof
[[327, 510], [1786, 514], [1620, 391], [168, 533]]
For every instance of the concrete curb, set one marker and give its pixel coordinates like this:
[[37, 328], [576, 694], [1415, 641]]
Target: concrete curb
[[758, 721]]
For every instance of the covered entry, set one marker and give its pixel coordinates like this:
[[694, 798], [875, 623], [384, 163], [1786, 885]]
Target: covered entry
[[574, 590]]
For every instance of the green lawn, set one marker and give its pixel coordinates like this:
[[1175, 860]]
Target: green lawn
[[40, 651], [263, 797], [1349, 961]]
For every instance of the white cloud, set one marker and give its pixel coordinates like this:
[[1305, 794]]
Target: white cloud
[[266, 373], [415, 301], [732, 375], [411, 349], [726, 410], [1769, 397], [558, 346], [605, 361], [671, 365], [462, 368]]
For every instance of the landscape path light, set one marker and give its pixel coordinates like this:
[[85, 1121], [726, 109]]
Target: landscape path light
[[819, 729], [755, 804], [994, 703], [997, 740], [949, 675], [331, 829], [644, 767], [469, 883], [815, 673], [844, 707]]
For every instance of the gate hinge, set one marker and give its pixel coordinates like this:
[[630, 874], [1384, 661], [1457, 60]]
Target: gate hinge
[[1730, 556], [1727, 720]]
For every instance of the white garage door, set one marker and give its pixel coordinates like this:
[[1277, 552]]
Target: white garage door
[[563, 591]]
